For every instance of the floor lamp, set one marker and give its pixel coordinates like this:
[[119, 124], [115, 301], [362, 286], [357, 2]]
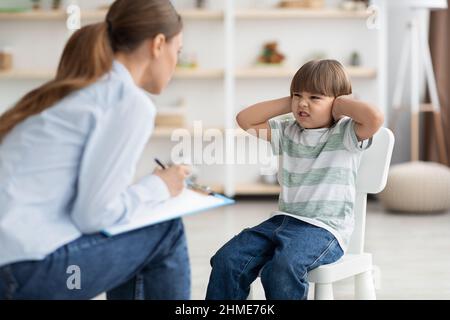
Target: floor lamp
[[416, 52]]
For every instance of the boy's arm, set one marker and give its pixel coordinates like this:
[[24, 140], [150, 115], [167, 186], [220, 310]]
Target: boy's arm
[[368, 118], [255, 118]]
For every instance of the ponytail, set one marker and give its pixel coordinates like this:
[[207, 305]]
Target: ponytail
[[89, 53], [86, 57]]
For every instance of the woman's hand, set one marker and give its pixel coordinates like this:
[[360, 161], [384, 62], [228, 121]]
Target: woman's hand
[[173, 177]]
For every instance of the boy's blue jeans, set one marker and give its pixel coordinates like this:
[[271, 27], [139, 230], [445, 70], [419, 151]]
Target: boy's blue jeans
[[149, 263], [283, 248]]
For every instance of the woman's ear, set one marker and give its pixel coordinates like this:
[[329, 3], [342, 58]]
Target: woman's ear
[[157, 44]]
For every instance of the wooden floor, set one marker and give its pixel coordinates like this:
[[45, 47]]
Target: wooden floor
[[412, 251]]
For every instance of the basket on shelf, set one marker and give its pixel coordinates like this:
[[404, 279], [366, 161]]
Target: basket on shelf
[[6, 59], [316, 4], [171, 116]]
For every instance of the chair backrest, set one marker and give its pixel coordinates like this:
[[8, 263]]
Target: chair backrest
[[372, 177]]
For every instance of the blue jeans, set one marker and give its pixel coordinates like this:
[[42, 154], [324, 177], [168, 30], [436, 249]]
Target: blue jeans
[[149, 263], [284, 249]]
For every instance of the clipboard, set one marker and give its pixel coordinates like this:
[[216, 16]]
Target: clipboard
[[187, 203]]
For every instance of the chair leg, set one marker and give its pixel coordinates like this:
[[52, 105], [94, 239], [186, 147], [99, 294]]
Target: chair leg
[[323, 291], [376, 273], [364, 286]]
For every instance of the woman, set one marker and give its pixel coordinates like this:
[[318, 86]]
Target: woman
[[68, 154]]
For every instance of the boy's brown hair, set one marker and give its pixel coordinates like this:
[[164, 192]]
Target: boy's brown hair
[[324, 77]]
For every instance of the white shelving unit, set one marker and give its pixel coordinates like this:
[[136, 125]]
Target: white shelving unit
[[264, 14], [180, 73], [254, 83], [88, 15], [283, 72], [227, 37]]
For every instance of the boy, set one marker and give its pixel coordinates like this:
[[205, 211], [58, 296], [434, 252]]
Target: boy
[[320, 150]]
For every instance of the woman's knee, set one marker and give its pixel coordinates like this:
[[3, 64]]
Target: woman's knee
[[178, 244], [167, 243], [173, 235]]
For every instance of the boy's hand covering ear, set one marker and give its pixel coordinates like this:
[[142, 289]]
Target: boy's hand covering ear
[[335, 112], [337, 115]]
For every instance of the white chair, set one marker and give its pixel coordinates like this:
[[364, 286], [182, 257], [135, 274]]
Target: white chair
[[372, 178]]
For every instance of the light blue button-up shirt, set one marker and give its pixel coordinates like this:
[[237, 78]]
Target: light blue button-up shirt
[[69, 170]]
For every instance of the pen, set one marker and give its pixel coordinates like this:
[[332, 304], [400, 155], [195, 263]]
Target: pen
[[189, 182], [160, 164]]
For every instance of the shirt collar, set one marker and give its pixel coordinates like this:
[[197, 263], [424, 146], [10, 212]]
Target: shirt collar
[[122, 72]]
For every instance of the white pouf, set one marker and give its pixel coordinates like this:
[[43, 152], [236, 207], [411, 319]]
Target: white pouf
[[417, 187]]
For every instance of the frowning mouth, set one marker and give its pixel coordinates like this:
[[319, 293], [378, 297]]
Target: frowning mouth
[[303, 114]]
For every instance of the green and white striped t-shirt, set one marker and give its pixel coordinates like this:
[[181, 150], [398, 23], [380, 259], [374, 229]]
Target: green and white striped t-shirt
[[317, 173]]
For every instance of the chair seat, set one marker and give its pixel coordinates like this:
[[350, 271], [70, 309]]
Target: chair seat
[[349, 265]]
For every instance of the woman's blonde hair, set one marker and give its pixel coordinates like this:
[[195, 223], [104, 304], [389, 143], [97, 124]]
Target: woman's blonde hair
[[89, 53], [324, 77]]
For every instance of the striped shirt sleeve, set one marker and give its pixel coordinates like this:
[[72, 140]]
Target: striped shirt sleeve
[[350, 140], [277, 128]]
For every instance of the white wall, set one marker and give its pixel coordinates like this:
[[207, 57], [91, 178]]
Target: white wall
[[38, 45], [398, 17], [205, 97]]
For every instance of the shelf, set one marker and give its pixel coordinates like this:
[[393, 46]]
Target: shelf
[[26, 74], [191, 14], [257, 189], [361, 72], [265, 72], [198, 73], [180, 73], [301, 14], [34, 15], [198, 14], [188, 14], [163, 132], [285, 72], [241, 19], [166, 132]]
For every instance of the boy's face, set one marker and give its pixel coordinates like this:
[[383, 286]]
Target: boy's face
[[312, 110]]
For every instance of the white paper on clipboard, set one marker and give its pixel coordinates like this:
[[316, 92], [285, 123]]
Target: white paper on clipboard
[[188, 202]]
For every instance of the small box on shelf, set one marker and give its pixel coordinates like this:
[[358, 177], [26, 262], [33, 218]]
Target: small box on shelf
[[171, 116], [258, 188], [6, 59], [308, 4]]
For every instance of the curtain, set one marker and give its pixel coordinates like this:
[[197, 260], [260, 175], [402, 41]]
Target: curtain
[[440, 51]]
